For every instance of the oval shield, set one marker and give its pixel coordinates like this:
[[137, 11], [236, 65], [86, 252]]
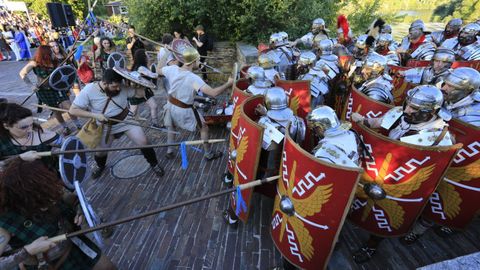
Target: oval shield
[[73, 167], [116, 59], [62, 78]]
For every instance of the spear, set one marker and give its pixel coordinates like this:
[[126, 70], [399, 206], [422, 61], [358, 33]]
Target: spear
[[252, 184], [112, 119]]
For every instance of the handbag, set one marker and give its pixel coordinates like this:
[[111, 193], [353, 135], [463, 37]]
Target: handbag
[[91, 133]]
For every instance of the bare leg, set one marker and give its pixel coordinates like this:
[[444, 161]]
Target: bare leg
[[137, 135], [204, 136], [170, 138], [133, 109], [153, 109]]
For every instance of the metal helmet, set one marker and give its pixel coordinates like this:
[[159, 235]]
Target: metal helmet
[[464, 80], [275, 39], [384, 39], [453, 26], [190, 55], [386, 29], [444, 55], [276, 99], [375, 64], [257, 74], [284, 38], [324, 121], [307, 58], [468, 33], [426, 99], [416, 30], [361, 41], [326, 46], [317, 39], [318, 25], [266, 60]]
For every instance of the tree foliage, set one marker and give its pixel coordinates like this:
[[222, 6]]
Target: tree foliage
[[468, 10], [248, 20], [79, 7]]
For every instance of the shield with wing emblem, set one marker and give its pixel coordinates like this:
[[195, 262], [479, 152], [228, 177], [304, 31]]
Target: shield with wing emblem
[[364, 105], [246, 155], [299, 96], [457, 199], [238, 97], [310, 206], [400, 85], [407, 174]]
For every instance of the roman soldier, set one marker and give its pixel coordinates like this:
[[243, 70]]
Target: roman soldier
[[377, 85], [259, 84], [419, 122], [280, 45], [318, 79], [386, 46], [436, 72], [269, 61], [318, 29], [451, 31], [416, 45], [337, 144], [467, 45]]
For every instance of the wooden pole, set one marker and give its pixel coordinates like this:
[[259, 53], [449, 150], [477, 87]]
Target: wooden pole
[[163, 209]]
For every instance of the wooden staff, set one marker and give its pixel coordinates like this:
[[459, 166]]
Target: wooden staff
[[112, 120], [208, 57], [72, 52], [56, 153], [252, 184]]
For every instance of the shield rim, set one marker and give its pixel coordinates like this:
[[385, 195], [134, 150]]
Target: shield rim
[[143, 82], [68, 184], [58, 70], [352, 89], [176, 53], [346, 211], [89, 217]]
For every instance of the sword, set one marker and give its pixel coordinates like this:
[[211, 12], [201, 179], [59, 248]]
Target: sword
[[113, 120], [252, 184]]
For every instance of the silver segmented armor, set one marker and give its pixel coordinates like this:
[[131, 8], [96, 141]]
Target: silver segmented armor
[[297, 129], [341, 150], [286, 57], [467, 109], [379, 89], [424, 52], [256, 90], [425, 75], [436, 37], [470, 52], [392, 58], [329, 62]]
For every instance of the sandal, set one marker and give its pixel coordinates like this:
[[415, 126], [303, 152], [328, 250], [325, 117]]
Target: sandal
[[213, 155], [444, 231], [232, 222], [364, 254], [410, 238]]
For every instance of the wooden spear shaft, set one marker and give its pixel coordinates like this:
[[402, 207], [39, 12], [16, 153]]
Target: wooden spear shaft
[[252, 184], [111, 119], [196, 142]]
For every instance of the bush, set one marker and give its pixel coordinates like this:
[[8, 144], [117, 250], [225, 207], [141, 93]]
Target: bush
[[232, 20]]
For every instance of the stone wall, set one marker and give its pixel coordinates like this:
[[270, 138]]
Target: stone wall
[[226, 57]]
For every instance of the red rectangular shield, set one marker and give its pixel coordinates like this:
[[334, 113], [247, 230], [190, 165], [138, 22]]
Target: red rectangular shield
[[457, 199], [248, 147], [418, 63], [360, 103], [408, 174], [298, 93], [400, 86], [321, 194], [238, 97]]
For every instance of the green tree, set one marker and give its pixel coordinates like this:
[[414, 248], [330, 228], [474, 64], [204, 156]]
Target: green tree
[[468, 10], [248, 20], [79, 7]]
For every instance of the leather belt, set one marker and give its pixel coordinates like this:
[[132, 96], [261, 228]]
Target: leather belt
[[182, 105]]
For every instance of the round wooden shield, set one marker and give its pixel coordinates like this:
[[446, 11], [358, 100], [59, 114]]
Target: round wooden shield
[[90, 215], [130, 167], [62, 78], [73, 167], [178, 46], [135, 77]]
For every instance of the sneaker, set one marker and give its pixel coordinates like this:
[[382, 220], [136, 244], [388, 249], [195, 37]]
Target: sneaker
[[228, 179], [97, 171], [169, 155], [410, 238], [232, 222], [364, 254], [158, 170], [213, 155], [444, 231]]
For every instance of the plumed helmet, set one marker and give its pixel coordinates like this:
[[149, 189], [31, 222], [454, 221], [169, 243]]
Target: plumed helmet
[[425, 98], [324, 121], [276, 99], [386, 29], [318, 25], [375, 62], [468, 33], [326, 46], [190, 55], [275, 39], [307, 58], [464, 80], [453, 26], [267, 60], [444, 55]]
